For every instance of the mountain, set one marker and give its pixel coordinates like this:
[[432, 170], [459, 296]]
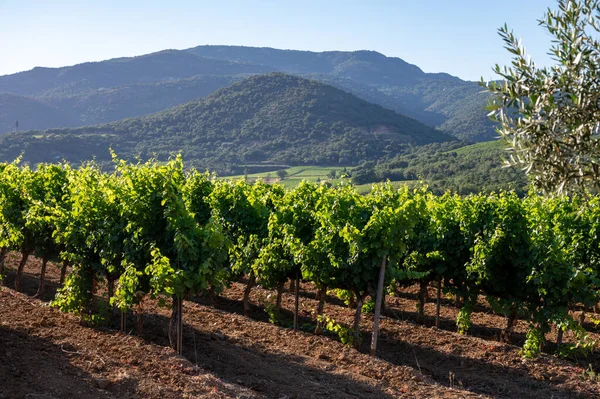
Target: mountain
[[162, 66], [272, 118], [368, 67], [30, 114], [105, 91], [435, 99], [105, 105]]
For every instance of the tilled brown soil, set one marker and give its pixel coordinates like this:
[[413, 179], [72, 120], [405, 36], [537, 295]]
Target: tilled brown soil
[[45, 353]]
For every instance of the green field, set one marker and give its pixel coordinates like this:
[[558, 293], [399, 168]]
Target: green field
[[480, 148], [295, 175], [313, 174], [366, 188]]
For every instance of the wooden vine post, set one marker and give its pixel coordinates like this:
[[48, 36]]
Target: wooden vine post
[[438, 302], [296, 306], [179, 345], [378, 301]]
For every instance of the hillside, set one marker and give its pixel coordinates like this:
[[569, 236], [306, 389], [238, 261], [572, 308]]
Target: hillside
[[227, 355], [30, 114], [105, 91], [449, 166], [266, 118]]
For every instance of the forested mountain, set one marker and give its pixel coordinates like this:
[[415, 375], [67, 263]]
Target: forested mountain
[[265, 118], [30, 114], [436, 99], [98, 92]]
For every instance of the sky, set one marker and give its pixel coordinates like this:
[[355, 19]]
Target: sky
[[454, 36]]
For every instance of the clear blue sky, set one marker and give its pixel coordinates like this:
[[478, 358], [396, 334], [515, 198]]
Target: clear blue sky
[[454, 36]]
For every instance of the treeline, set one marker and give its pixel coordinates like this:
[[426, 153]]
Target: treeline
[[153, 229], [454, 166]]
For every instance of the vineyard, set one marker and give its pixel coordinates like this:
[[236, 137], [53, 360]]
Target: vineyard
[[157, 232]]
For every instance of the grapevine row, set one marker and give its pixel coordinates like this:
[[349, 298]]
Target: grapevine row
[[155, 229]]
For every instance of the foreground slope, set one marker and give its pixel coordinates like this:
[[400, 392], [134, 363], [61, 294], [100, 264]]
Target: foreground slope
[[226, 355], [265, 118]]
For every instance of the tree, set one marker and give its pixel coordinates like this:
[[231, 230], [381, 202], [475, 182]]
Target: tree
[[550, 116], [332, 174], [282, 174]]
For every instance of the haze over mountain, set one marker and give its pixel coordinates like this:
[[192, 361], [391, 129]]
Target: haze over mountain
[[30, 114], [110, 104], [105, 91], [272, 118], [163, 66]]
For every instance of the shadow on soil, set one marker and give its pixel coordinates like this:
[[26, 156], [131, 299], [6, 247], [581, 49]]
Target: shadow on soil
[[476, 375], [34, 367], [30, 283], [268, 374]]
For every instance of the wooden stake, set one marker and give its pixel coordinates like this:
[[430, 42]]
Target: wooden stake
[[297, 305], [359, 303], [180, 326], [438, 302], [422, 298], [2, 256], [123, 320], [378, 301]]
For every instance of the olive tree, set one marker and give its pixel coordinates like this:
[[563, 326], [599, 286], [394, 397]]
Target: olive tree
[[550, 116]]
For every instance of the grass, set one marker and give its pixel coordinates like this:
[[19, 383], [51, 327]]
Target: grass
[[295, 175], [478, 148], [312, 174]]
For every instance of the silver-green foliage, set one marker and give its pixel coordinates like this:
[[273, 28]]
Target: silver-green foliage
[[550, 116]]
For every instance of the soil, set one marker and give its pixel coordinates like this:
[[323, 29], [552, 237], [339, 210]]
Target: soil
[[48, 354]]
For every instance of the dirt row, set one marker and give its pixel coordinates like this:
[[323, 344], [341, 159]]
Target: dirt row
[[229, 355]]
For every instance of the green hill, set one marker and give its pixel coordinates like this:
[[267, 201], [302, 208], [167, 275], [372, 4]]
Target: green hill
[[274, 118]]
